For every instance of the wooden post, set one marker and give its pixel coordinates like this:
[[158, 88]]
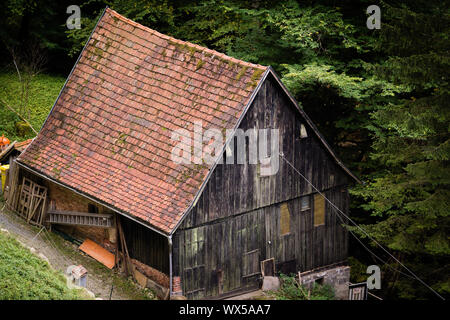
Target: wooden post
[[122, 246], [128, 267], [43, 208], [117, 240], [307, 296], [127, 255], [13, 185]]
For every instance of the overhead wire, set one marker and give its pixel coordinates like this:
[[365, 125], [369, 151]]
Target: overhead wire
[[412, 274]]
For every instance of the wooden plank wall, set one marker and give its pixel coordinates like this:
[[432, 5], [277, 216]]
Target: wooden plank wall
[[238, 212], [231, 245], [146, 245]]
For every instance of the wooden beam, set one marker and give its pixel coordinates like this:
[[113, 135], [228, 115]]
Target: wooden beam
[[127, 260], [117, 240]]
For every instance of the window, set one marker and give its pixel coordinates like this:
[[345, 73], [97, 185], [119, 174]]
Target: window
[[285, 219], [319, 210], [92, 208], [304, 203], [303, 132]]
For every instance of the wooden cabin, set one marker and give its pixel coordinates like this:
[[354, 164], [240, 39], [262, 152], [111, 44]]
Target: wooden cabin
[[201, 230]]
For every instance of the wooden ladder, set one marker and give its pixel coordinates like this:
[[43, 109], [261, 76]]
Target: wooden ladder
[[80, 218]]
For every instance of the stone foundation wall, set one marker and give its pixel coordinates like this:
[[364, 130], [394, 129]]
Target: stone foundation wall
[[147, 277], [151, 273], [338, 277]]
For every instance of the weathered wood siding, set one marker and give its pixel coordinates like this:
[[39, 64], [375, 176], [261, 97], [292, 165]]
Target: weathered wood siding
[[146, 245], [239, 211]]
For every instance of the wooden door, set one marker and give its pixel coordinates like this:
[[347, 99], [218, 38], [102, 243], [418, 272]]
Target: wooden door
[[280, 232]]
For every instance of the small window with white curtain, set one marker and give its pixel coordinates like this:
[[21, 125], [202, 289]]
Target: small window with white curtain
[[304, 203]]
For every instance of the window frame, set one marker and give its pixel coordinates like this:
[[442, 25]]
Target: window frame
[[319, 199], [93, 209], [308, 197], [285, 219]]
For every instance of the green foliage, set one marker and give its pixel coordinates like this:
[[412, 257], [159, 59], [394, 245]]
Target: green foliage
[[23, 276], [358, 270], [409, 195], [315, 31], [300, 78], [27, 21], [153, 13], [78, 37], [12, 12], [291, 290], [412, 143], [44, 90]]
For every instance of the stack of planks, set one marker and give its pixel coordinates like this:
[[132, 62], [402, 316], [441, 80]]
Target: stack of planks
[[32, 199]]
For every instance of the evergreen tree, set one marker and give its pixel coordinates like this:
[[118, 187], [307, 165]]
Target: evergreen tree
[[409, 195]]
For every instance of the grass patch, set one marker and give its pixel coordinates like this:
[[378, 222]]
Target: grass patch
[[125, 285], [44, 91], [291, 290], [24, 276]]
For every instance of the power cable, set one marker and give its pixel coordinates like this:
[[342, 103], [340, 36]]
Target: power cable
[[360, 228]]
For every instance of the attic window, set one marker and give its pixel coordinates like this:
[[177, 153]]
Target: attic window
[[285, 219], [304, 203], [92, 208], [319, 210], [303, 133]]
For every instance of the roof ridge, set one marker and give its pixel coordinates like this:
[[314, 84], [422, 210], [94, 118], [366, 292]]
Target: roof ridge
[[182, 42]]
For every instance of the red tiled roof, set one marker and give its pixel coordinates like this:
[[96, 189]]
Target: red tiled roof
[[109, 133], [22, 145]]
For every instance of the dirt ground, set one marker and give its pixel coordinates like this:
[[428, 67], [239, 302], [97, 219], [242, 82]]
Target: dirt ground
[[61, 254]]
